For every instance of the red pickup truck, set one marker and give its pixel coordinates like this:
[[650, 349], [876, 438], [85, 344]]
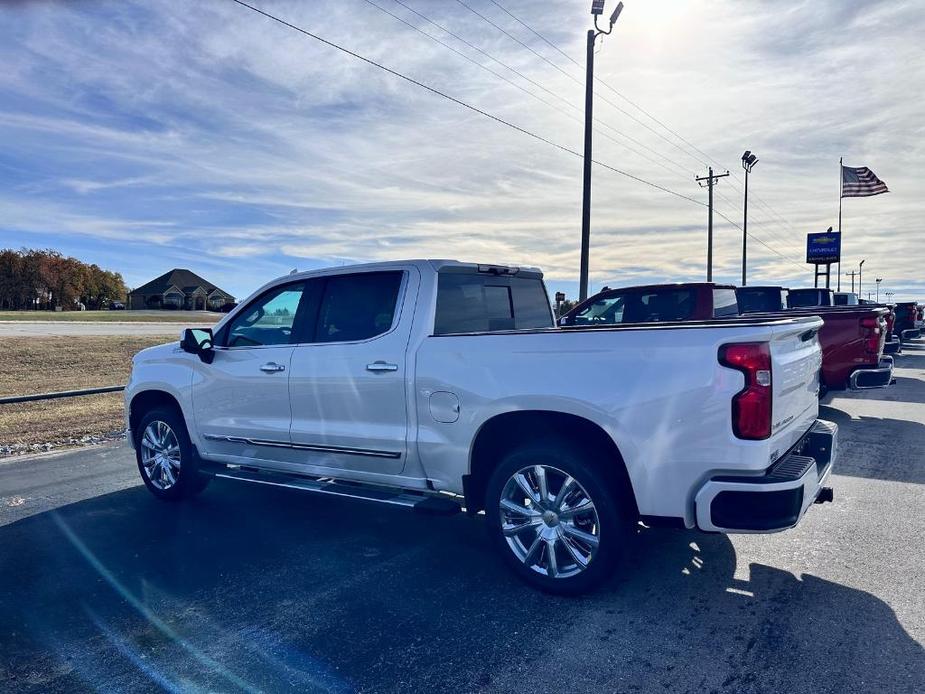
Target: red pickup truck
[[852, 337]]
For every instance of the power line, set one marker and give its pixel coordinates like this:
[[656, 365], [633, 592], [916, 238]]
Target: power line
[[576, 80], [458, 102], [561, 98], [680, 137], [486, 114]]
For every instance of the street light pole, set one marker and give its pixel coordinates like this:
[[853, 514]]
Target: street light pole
[[860, 270], [878, 281], [748, 162], [597, 8]]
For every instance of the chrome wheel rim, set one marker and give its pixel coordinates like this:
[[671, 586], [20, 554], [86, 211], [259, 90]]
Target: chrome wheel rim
[[549, 521], [160, 455]]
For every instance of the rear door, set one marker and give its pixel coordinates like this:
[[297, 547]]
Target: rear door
[[349, 377]]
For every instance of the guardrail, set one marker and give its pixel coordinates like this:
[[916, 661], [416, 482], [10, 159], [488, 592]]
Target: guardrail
[[60, 394]]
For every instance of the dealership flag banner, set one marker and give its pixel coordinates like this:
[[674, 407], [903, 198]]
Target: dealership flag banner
[[860, 182]]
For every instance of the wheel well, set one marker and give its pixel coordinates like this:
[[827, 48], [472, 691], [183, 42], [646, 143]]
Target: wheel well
[[505, 432], [148, 400]]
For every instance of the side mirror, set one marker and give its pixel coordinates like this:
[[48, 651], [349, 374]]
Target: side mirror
[[198, 341]]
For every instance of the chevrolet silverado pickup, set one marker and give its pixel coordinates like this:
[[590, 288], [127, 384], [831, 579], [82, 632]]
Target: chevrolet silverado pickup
[[854, 338], [444, 386]]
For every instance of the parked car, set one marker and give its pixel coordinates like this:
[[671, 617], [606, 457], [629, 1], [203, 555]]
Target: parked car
[[853, 338], [907, 325], [762, 299], [227, 307], [438, 385], [655, 303], [798, 298], [116, 306], [845, 299]]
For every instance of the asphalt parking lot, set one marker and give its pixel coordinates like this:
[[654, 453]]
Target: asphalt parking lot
[[257, 589]]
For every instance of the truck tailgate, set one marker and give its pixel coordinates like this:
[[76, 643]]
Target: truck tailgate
[[795, 361]]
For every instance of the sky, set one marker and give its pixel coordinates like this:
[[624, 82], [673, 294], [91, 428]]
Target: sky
[[144, 136]]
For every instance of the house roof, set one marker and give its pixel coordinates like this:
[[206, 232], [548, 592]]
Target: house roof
[[178, 277]]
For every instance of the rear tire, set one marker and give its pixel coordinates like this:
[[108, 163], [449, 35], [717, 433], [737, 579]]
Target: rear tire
[[166, 459], [560, 523]]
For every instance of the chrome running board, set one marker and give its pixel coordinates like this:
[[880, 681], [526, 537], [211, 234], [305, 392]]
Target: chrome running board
[[432, 503]]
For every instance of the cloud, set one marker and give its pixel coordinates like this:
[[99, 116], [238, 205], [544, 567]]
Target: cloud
[[205, 134]]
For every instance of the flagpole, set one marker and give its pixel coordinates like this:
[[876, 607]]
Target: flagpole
[[841, 183]]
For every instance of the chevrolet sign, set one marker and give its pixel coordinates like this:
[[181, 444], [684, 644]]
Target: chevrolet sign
[[823, 248]]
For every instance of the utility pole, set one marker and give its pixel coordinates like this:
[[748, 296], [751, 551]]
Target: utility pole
[[852, 273], [597, 8], [711, 180], [748, 162]]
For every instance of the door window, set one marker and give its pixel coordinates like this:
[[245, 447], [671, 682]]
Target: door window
[[270, 320], [357, 306]]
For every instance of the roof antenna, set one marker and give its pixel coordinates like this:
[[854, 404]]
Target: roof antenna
[[293, 271]]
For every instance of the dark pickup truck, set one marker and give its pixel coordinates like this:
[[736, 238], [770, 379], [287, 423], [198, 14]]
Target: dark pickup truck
[[853, 337], [907, 317]]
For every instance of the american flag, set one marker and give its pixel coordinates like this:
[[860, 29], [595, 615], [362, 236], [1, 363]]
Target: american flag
[[860, 182]]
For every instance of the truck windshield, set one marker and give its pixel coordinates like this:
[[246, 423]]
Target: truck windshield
[[638, 306], [481, 302]]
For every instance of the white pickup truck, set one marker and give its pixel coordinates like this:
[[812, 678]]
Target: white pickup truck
[[446, 386]]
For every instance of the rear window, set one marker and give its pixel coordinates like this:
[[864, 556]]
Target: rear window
[[761, 300], [649, 306], [469, 302], [805, 297], [725, 303]]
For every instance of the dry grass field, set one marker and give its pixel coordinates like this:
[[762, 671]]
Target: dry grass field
[[30, 365]]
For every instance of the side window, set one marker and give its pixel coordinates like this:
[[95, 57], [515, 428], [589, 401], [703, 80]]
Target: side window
[[725, 303], [481, 302], [662, 305], [357, 306], [270, 320], [604, 311]]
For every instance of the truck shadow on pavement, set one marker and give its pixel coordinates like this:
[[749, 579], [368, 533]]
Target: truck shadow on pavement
[[867, 446], [263, 589]]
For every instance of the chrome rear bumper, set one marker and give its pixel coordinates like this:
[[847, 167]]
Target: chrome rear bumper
[[879, 377]]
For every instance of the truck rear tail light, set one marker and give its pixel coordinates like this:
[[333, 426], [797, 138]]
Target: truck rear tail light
[[751, 406], [871, 328]]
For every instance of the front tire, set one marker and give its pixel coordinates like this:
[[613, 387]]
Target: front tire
[[561, 523], [165, 456]]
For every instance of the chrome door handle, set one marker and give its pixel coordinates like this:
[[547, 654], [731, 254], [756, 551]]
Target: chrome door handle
[[272, 367], [381, 366]]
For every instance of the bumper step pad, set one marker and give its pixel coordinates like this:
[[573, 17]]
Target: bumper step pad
[[776, 499]]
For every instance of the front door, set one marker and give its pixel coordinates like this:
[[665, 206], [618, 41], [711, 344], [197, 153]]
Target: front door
[[241, 399], [348, 382]]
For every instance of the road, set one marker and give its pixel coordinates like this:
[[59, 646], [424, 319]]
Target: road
[[85, 329], [250, 588]]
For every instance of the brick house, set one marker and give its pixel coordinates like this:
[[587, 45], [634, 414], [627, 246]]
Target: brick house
[[179, 289]]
